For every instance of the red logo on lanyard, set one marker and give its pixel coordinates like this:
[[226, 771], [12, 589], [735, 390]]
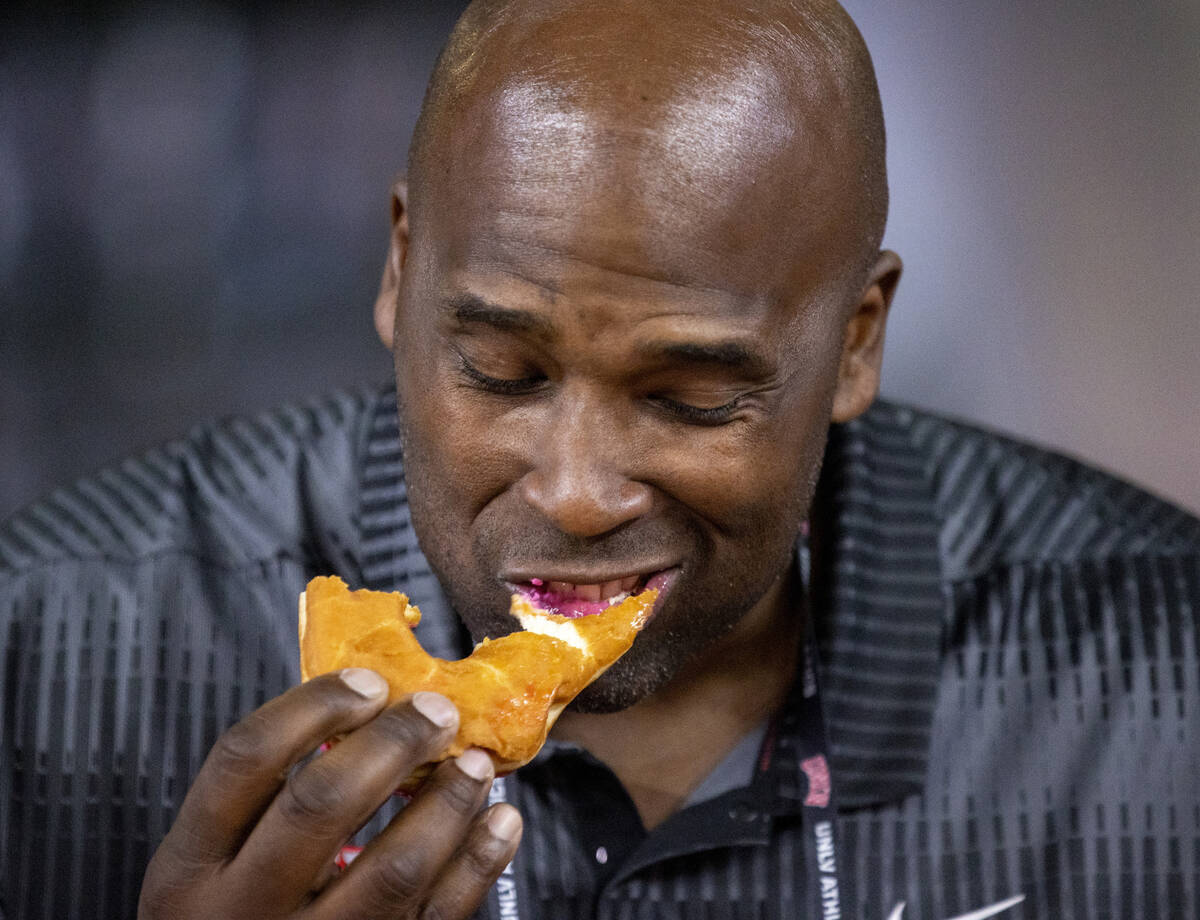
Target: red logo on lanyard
[[817, 770], [347, 855]]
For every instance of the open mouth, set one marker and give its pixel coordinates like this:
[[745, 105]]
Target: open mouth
[[571, 599]]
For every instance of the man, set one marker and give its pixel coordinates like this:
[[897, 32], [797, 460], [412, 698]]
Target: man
[[634, 277]]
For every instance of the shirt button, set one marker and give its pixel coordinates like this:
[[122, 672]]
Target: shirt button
[[601, 855], [743, 814]]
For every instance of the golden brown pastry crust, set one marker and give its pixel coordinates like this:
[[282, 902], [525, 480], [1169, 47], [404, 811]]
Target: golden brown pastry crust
[[509, 691]]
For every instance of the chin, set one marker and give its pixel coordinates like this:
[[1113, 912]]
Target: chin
[[621, 686], [658, 656]]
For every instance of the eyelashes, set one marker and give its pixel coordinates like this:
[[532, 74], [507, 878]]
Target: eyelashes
[[500, 385], [698, 415], [523, 386]]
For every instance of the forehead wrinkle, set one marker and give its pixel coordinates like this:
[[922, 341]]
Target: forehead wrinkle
[[596, 105], [705, 323], [664, 160], [627, 270]]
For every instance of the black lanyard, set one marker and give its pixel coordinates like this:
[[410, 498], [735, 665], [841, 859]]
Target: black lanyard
[[508, 896], [820, 807]]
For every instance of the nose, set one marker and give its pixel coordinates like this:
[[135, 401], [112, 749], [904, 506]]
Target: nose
[[579, 477]]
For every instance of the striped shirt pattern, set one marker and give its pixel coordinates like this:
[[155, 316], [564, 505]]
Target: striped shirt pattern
[[1009, 661]]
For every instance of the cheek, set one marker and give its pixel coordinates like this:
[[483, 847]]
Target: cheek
[[461, 465], [758, 482], [442, 435], [458, 456]]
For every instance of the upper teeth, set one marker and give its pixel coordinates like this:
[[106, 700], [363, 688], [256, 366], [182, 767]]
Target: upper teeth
[[594, 593]]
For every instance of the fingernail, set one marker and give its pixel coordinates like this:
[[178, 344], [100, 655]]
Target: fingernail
[[504, 823], [475, 763], [436, 708], [365, 683]]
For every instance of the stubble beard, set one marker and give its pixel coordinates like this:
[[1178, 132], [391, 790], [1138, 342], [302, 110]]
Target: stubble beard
[[694, 618]]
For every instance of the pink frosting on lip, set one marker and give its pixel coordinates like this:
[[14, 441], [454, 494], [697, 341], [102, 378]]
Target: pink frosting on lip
[[543, 598], [553, 602]]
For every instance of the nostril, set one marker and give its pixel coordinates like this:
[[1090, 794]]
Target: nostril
[[585, 506]]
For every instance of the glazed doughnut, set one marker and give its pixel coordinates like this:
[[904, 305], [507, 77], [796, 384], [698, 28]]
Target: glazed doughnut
[[509, 691]]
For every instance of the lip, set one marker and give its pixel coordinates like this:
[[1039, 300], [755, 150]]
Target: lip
[[524, 574], [660, 579], [662, 582]]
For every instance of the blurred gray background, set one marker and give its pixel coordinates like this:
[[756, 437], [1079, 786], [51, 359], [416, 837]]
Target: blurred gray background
[[193, 214]]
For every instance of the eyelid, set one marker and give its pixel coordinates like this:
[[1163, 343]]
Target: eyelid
[[682, 411], [701, 416], [491, 384]]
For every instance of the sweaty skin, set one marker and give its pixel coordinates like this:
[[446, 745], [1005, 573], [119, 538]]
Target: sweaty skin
[[625, 303], [634, 278], [633, 295]]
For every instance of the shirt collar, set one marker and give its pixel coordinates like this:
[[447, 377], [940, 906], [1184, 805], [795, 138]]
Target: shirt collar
[[391, 560], [876, 595], [878, 606]]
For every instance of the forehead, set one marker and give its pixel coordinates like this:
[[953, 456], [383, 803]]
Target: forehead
[[712, 185]]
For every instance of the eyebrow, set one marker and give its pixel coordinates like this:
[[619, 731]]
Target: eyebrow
[[733, 356], [472, 309]]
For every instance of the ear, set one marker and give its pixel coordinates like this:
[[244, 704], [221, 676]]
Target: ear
[[389, 286], [862, 345]]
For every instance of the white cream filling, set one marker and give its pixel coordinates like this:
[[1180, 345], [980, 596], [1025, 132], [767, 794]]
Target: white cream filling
[[543, 626]]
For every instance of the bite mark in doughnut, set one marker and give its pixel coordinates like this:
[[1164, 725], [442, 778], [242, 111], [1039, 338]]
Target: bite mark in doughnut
[[509, 691]]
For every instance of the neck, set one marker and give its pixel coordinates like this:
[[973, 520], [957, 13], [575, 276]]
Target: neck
[[664, 746]]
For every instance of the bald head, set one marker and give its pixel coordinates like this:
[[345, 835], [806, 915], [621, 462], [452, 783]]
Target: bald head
[[634, 279], [661, 102]]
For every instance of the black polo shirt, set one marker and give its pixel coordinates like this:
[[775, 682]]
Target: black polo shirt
[[1008, 655]]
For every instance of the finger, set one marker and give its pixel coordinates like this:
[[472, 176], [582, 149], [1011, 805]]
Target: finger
[[326, 801], [465, 882], [393, 873], [248, 764], [323, 877]]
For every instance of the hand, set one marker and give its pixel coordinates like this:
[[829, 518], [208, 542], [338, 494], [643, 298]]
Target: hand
[[252, 841]]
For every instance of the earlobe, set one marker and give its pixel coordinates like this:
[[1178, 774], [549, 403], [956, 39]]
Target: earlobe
[[862, 345], [389, 285]]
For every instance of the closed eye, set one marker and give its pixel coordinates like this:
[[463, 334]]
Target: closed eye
[[697, 415], [501, 385], [521, 386]]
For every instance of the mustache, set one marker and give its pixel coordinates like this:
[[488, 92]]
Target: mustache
[[630, 545]]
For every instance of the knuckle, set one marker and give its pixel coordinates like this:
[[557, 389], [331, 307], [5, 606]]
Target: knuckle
[[406, 728], [476, 867], [311, 796], [435, 910], [170, 880], [483, 859], [190, 847], [330, 693], [460, 793], [399, 875], [243, 749]]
